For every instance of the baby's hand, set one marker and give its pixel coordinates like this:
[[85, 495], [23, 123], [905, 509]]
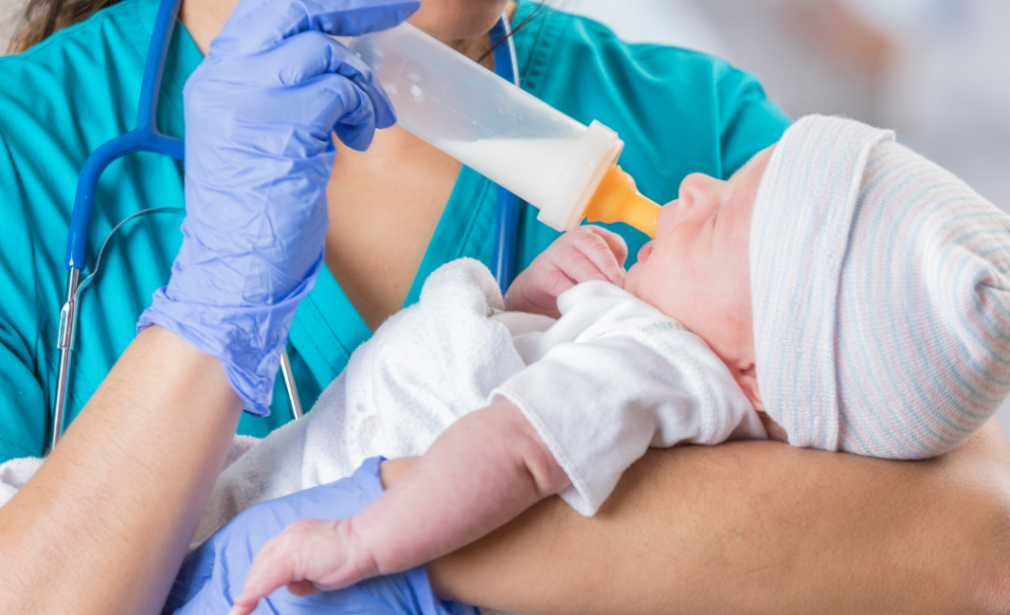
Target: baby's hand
[[587, 253], [309, 556]]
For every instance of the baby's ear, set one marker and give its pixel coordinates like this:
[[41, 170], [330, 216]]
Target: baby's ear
[[746, 377]]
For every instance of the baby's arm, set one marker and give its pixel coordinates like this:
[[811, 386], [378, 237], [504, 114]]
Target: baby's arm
[[483, 471], [587, 253]]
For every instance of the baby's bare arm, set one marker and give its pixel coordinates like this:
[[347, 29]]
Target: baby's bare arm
[[484, 471], [760, 527]]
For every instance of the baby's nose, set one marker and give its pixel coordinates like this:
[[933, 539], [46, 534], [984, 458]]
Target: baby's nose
[[699, 189], [670, 214]]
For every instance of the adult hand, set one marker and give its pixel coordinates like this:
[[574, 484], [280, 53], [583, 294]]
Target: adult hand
[[260, 112], [213, 575]]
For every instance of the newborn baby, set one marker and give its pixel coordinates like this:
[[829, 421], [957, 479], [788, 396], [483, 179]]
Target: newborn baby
[[853, 294]]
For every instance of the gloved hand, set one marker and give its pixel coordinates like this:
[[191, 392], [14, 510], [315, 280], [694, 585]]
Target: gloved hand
[[213, 575], [260, 111]]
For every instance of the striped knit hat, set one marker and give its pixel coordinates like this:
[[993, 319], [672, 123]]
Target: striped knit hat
[[881, 291]]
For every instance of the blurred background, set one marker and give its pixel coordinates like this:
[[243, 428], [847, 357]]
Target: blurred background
[[9, 10], [936, 71]]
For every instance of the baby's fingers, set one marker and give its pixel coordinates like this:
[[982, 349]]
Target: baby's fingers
[[264, 577], [277, 564], [617, 244], [593, 259]]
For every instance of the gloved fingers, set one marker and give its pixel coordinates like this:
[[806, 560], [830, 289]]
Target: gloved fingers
[[355, 69], [356, 130], [346, 63], [357, 17], [295, 60], [257, 24], [357, 125], [324, 76], [326, 55], [361, 112], [353, 119]]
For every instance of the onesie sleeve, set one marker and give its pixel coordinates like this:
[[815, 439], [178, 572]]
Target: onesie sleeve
[[600, 404]]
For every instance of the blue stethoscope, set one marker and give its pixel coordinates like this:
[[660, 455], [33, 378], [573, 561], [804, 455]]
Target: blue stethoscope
[[146, 138]]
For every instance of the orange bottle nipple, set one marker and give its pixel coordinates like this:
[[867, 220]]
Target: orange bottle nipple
[[618, 200]]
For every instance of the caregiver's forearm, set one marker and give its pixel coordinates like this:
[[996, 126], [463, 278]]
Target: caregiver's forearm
[[759, 527], [105, 523]]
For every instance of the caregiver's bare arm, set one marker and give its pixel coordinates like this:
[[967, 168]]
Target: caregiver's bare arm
[[761, 527], [104, 525]]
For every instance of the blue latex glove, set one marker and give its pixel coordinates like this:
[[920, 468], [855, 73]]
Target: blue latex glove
[[260, 111], [214, 574]]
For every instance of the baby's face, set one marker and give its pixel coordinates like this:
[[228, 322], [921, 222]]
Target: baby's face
[[697, 269]]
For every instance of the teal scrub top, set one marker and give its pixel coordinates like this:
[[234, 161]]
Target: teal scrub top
[[678, 112]]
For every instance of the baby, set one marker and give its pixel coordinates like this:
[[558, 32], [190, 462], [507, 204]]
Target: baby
[[853, 297]]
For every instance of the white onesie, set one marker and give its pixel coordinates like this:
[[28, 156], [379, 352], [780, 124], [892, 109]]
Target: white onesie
[[613, 377], [609, 379]]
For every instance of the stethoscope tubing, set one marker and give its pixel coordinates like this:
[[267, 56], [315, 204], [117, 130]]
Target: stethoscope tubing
[[146, 138]]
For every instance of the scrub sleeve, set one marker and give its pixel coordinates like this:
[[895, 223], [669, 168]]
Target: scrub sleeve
[[678, 112]]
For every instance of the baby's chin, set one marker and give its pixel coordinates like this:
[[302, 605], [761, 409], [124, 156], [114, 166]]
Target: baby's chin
[[632, 278]]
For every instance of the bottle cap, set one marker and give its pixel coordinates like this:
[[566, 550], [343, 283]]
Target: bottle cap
[[598, 150]]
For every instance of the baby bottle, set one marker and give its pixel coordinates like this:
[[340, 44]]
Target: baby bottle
[[565, 169]]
